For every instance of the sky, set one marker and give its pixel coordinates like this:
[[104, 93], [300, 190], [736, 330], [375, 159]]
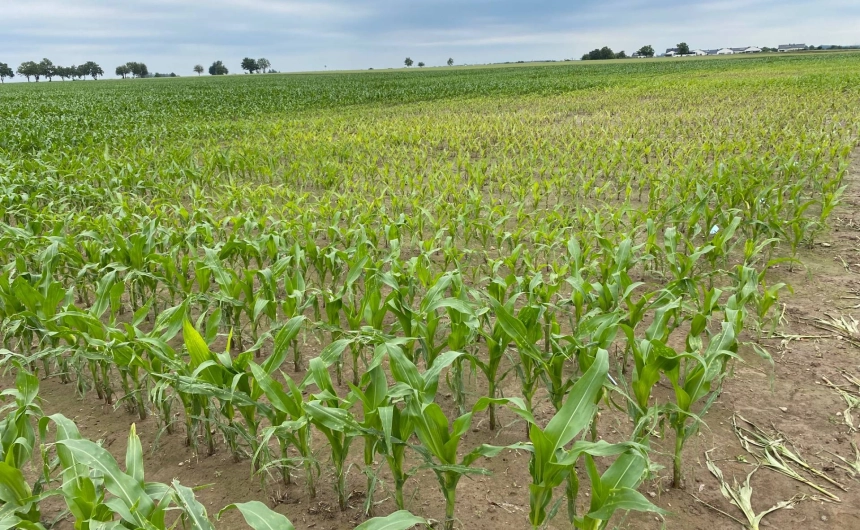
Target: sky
[[174, 35]]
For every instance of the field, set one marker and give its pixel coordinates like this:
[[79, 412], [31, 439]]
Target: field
[[613, 295]]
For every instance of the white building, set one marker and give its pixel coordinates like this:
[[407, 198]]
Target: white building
[[791, 47], [726, 51]]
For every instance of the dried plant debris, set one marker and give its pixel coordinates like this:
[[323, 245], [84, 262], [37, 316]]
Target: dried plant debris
[[773, 452], [850, 467], [741, 496], [851, 395], [845, 326]]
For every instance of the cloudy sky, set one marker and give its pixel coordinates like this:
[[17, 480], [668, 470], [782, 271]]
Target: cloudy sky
[[300, 35]]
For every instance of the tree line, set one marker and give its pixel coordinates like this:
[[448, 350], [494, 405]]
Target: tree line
[[606, 52], [409, 62], [248, 64], [48, 70]]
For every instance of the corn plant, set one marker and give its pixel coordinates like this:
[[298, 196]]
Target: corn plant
[[440, 439], [19, 503], [290, 425], [330, 415], [697, 377]]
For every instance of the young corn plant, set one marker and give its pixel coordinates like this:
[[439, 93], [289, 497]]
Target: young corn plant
[[552, 462], [290, 425], [330, 415], [440, 440], [696, 377], [19, 503], [90, 472]]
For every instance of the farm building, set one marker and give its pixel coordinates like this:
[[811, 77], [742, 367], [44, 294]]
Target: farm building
[[791, 47]]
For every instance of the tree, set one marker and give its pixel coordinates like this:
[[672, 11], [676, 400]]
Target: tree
[[65, 72], [420, 65], [199, 69], [30, 69], [683, 49], [92, 69], [218, 68], [137, 69], [123, 70], [408, 62], [80, 72], [599, 54], [264, 64], [621, 55], [47, 69], [250, 65], [5, 72], [646, 51]]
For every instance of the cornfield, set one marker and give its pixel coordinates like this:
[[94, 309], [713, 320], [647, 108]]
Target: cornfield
[[325, 275]]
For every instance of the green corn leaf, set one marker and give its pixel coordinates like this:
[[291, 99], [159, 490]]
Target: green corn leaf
[[134, 456], [626, 472], [400, 520], [259, 516], [199, 352], [191, 507], [283, 339], [118, 483], [624, 499], [274, 391], [13, 487], [334, 419], [334, 351], [579, 408]]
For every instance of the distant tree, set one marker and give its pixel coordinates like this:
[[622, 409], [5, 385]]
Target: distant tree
[[264, 64], [450, 61], [137, 69], [218, 68], [123, 70], [199, 69], [80, 72], [408, 62], [599, 54], [92, 69], [621, 55], [47, 69], [420, 65], [30, 69], [646, 51], [250, 65], [5, 72], [683, 49], [64, 72]]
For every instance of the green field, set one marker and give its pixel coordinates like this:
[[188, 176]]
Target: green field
[[335, 277]]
